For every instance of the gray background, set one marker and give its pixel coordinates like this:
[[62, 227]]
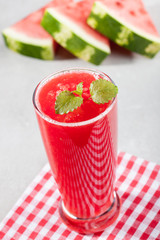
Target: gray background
[[22, 154]]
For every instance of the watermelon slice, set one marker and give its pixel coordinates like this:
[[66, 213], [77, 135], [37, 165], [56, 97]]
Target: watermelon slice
[[29, 38], [127, 23], [68, 27]]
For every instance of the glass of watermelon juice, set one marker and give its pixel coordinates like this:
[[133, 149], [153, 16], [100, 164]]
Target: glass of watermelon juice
[[82, 148]]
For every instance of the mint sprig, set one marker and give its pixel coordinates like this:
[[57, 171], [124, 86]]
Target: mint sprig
[[101, 92], [79, 89], [66, 101]]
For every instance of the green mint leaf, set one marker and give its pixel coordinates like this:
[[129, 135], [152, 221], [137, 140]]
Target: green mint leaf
[[66, 102], [79, 89], [102, 91]]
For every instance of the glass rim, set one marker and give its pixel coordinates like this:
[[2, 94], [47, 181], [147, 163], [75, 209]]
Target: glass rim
[[74, 124]]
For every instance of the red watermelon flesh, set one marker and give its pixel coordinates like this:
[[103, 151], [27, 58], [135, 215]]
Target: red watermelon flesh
[[30, 25], [78, 12], [132, 12]]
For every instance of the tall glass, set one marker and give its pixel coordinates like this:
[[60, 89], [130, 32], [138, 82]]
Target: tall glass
[[82, 158]]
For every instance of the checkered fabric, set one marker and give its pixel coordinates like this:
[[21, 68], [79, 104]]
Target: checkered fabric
[[35, 215]]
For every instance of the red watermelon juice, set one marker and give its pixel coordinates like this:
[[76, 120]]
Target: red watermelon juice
[[82, 149]]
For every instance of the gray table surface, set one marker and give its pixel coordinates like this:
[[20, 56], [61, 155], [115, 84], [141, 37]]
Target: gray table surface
[[22, 154]]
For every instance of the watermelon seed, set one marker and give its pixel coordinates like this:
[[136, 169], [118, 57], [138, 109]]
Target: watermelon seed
[[119, 4], [132, 13], [150, 24]]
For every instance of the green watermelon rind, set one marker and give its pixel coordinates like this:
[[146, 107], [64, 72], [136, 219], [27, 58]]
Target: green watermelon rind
[[125, 35], [64, 33], [20, 43]]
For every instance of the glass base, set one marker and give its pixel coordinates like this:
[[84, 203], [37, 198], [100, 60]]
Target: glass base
[[91, 225]]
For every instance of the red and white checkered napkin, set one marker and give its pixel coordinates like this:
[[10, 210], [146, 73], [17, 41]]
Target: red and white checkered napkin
[[35, 215]]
